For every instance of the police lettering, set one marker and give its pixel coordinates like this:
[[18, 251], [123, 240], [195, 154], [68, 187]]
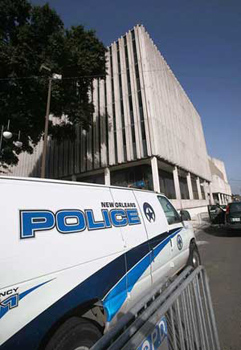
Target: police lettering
[[68, 221], [9, 292]]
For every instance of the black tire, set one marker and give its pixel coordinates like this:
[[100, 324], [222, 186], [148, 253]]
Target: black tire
[[75, 333], [194, 259]]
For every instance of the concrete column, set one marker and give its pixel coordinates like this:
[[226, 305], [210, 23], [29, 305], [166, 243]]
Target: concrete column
[[176, 183], [155, 174], [199, 188], [189, 185], [219, 198], [107, 176], [73, 178], [211, 195], [205, 187], [222, 198]]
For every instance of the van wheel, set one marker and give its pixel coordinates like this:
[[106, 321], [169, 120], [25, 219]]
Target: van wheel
[[74, 334], [194, 259]]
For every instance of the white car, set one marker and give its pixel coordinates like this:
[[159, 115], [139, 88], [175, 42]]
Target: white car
[[76, 256]]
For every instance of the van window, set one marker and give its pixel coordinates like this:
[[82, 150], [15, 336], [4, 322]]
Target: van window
[[170, 212]]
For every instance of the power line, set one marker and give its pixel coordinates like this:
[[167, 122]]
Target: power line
[[103, 76]]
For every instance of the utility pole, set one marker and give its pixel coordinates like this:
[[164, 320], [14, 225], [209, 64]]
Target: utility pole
[[46, 129]]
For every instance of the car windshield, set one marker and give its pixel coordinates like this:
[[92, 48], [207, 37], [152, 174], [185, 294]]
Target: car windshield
[[235, 207]]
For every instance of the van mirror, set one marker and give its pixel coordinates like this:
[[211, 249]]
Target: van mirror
[[185, 215]]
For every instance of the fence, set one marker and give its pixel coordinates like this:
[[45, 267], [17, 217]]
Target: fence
[[175, 317]]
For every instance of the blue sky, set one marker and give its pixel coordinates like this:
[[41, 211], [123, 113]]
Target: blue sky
[[201, 42]]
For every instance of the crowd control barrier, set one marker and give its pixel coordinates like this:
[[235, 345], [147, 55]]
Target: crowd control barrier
[[175, 317]]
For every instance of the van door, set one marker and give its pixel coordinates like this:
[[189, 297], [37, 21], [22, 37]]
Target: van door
[[138, 258], [178, 234], [158, 234]]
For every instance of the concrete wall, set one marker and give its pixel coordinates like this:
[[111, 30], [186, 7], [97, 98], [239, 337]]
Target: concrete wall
[[175, 125], [219, 183]]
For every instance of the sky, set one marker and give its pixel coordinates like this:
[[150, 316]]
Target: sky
[[201, 42]]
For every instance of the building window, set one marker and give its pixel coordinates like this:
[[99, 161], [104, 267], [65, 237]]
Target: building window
[[194, 187], [184, 187], [95, 179], [202, 184], [130, 99], [138, 86], [135, 177], [113, 105], [121, 103], [167, 184]]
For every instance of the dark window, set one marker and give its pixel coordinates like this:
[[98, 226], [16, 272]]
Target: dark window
[[136, 177], [235, 207], [202, 190], [113, 106], [130, 99], [194, 188], [95, 179], [138, 85], [170, 212], [121, 103], [167, 184], [106, 124], [184, 187]]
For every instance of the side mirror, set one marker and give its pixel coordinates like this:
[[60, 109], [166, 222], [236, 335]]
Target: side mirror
[[185, 216]]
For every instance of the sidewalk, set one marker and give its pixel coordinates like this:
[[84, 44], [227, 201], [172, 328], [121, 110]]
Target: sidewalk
[[200, 222]]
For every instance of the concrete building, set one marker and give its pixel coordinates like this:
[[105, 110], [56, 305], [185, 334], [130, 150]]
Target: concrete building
[[145, 131], [220, 187]]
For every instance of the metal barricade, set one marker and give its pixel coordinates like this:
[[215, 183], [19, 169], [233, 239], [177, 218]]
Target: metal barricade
[[177, 317]]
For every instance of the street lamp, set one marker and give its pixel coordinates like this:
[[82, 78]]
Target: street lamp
[[7, 134], [46, 128]]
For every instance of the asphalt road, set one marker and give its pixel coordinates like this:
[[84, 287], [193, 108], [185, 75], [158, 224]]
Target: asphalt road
[[221, 255]]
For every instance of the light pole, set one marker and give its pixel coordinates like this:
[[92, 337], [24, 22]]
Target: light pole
[[7, 134], [46, 128]]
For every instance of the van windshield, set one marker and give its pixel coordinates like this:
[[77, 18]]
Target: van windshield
[[235, 207]]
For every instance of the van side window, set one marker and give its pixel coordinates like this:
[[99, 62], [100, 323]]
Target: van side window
[[170, 212]]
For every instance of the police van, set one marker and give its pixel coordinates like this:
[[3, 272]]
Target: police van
[[75, 257]]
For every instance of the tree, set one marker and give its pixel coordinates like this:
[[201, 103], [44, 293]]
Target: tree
[[31, 36]]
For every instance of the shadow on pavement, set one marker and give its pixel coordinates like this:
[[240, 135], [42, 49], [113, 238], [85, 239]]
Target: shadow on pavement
[[221, 231]]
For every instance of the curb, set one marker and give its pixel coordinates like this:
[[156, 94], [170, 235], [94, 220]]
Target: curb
[[199, 228]]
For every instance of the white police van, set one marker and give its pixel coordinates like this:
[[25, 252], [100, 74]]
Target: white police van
[[76, 256]]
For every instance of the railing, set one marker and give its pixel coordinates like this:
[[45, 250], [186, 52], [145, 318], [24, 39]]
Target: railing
[[175, 317]]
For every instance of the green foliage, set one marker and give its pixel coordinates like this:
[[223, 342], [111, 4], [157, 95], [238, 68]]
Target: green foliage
[[29, 37]]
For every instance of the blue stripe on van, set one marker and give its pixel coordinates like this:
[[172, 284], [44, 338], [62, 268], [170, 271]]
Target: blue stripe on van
[[117, 296], [112, 277], [5, 308]]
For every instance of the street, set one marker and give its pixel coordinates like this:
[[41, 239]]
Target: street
[[220, 254]]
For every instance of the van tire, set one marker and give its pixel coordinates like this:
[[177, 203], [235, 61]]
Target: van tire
[[75, 334], [194, 259]]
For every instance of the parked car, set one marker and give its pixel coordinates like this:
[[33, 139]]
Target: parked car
[[212, 211], [233, 215], [217, 213]]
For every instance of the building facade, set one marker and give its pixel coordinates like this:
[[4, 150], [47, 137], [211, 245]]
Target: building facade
[[220, 187], [145, 131]]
